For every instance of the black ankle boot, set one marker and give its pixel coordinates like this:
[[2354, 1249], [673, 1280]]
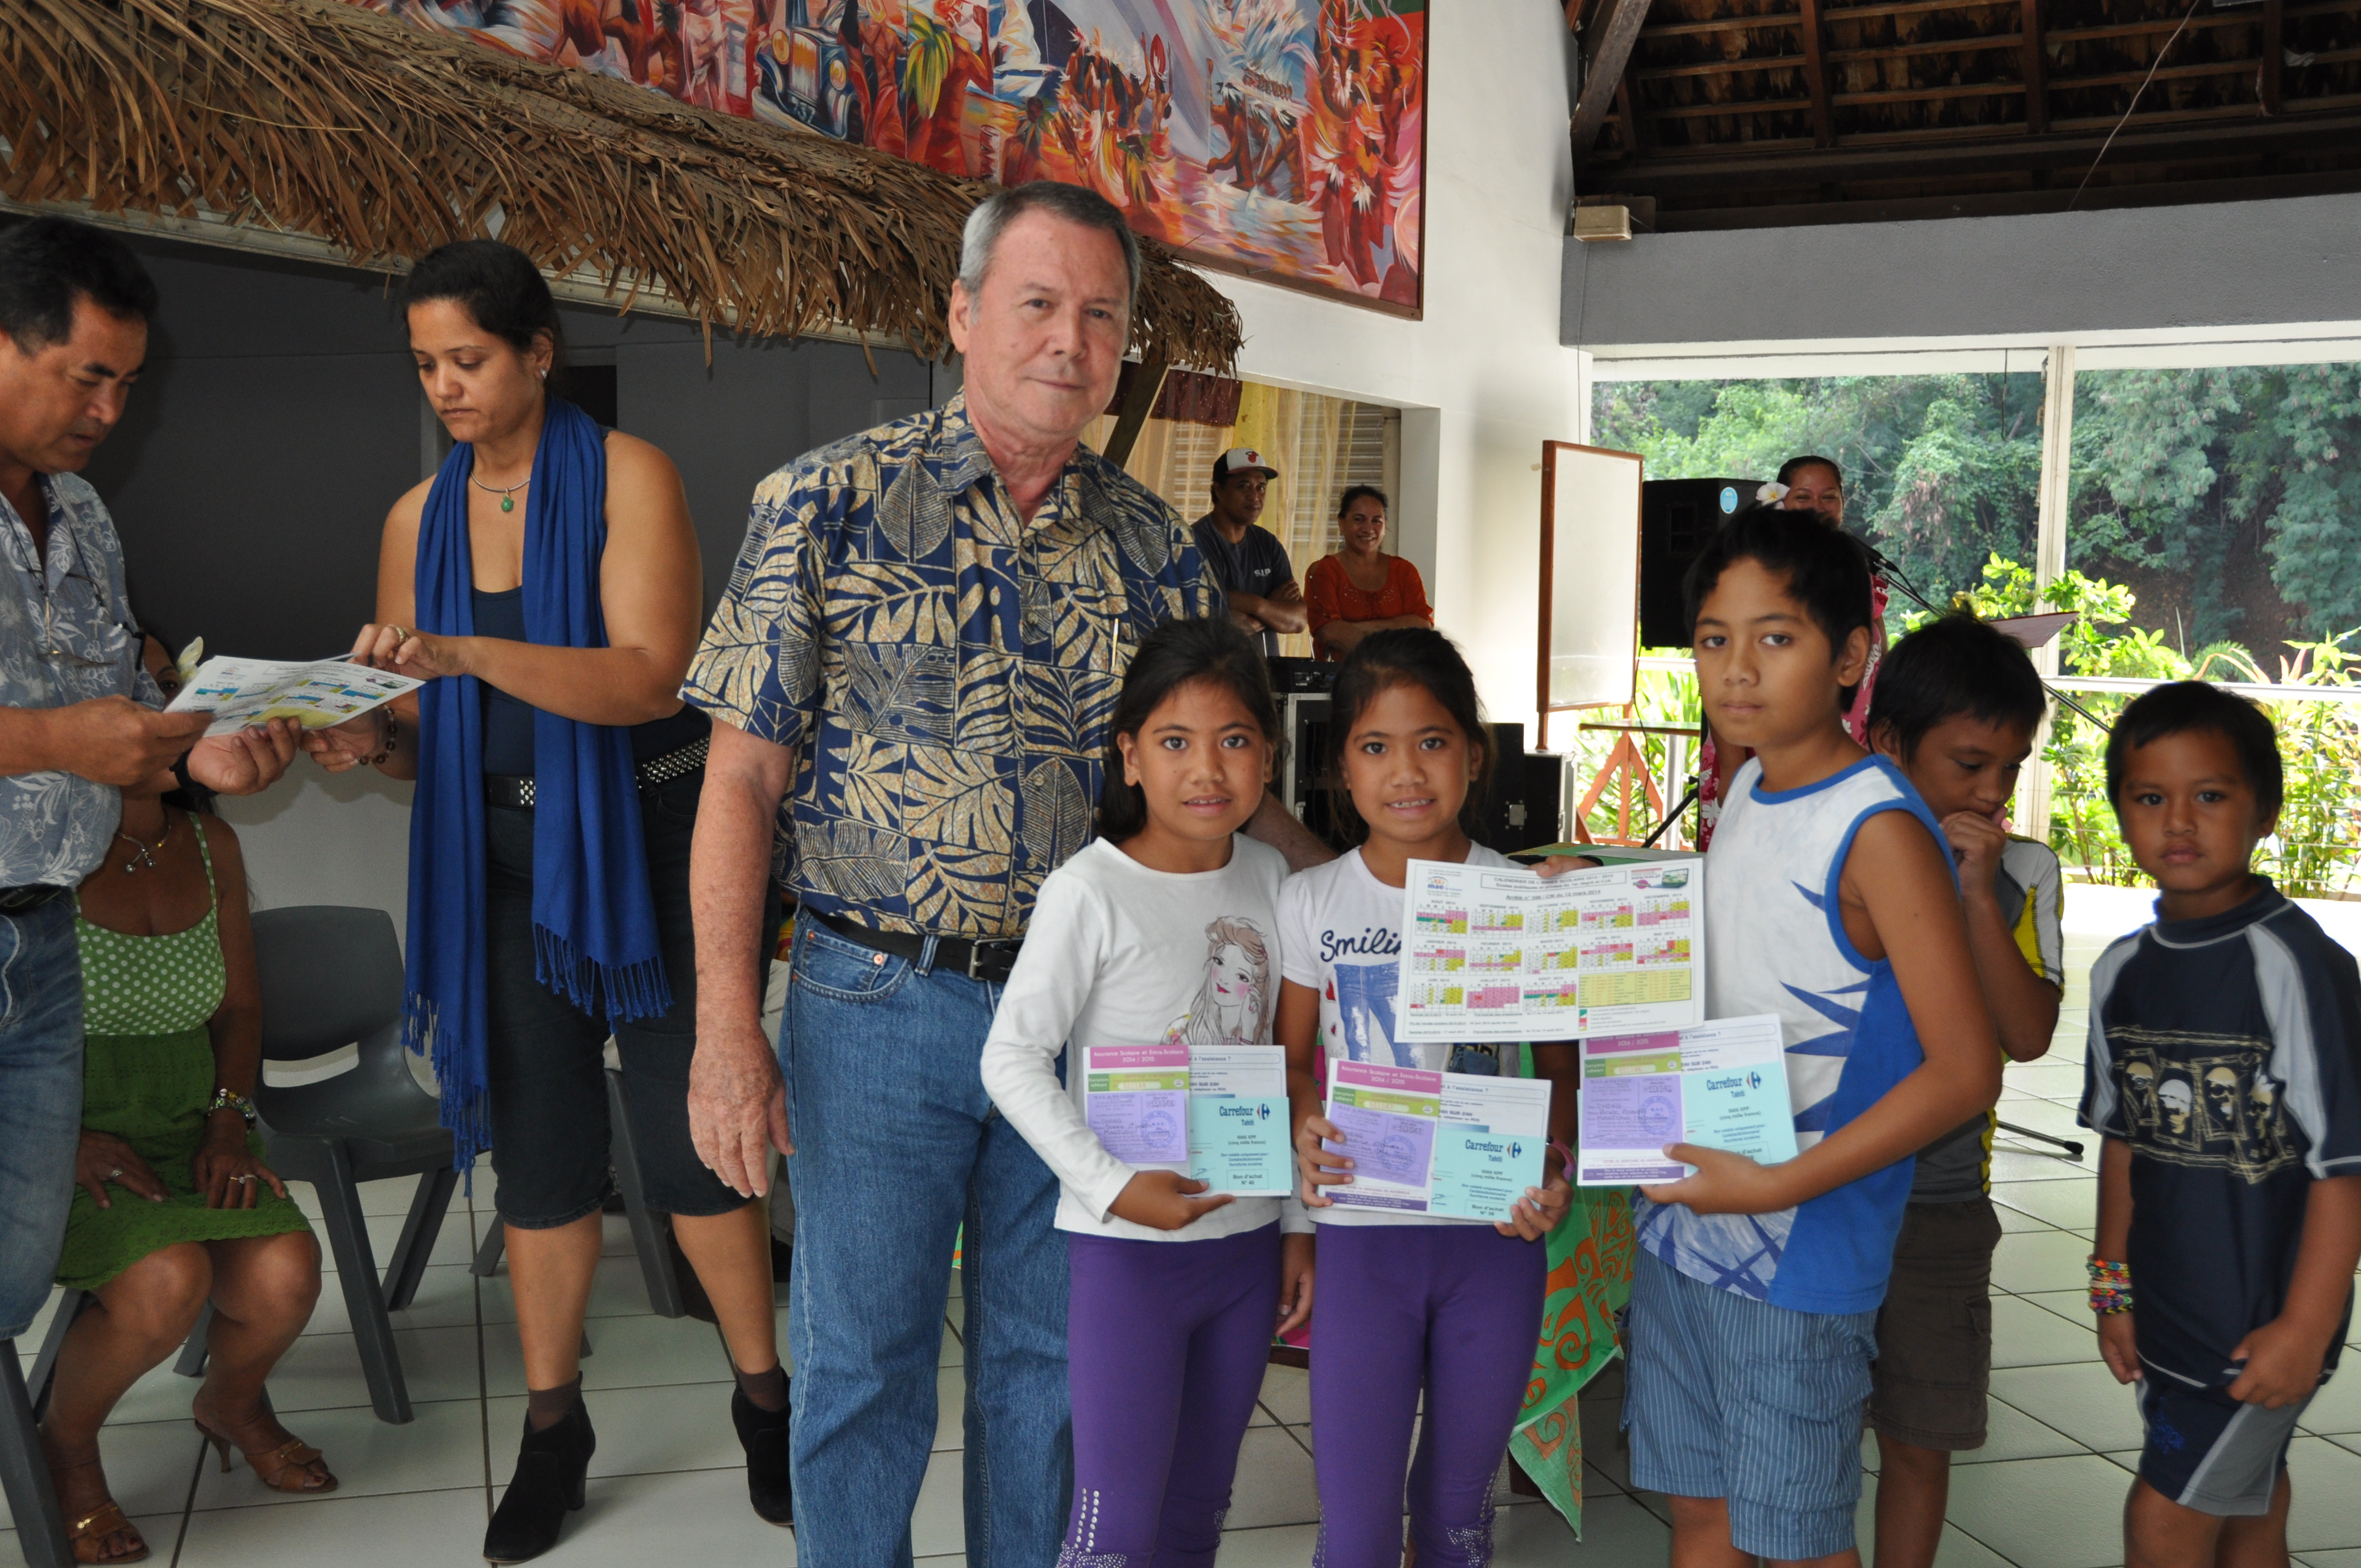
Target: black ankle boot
[[548, 1484], [764, 1434]]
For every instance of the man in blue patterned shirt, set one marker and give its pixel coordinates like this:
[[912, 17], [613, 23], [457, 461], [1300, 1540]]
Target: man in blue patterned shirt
[[78, 716], [918, 654]]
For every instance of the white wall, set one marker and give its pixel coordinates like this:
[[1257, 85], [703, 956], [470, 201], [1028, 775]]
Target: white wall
[[315, 837], [1482, 379]]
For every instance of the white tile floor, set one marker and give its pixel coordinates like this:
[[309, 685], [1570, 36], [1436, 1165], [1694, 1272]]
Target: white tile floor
[[667, 1482]]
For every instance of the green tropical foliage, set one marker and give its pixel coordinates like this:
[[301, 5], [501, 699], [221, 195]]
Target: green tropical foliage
[[2316, 851], [2214, 512], [1941, 471], [2227, 499]]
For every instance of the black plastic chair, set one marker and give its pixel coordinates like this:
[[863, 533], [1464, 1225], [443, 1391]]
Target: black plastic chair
[[332, 977], [23, 1471]]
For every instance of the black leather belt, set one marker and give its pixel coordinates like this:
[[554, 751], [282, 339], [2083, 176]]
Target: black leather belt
[[515, 791], [24, 900], [987, 959]]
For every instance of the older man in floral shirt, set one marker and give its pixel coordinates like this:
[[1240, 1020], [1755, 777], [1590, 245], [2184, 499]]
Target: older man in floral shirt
[[918, 654]]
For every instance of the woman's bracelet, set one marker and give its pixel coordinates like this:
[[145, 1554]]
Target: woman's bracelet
[[230, 1100], [388, 735], [2111, 1286]]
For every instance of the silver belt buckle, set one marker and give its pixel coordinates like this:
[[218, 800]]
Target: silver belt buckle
[[981, 949]]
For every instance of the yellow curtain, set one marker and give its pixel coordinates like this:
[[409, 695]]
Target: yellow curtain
[[1307, 436]]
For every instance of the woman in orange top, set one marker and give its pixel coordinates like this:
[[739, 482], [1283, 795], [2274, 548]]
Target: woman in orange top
[[1360, 588]]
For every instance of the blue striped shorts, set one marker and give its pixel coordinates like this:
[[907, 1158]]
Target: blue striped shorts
[[1727, 1397]]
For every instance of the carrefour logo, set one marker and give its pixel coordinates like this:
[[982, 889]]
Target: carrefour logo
[[1516, 1150]]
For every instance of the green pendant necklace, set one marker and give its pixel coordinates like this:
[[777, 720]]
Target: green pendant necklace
[[508, 497]]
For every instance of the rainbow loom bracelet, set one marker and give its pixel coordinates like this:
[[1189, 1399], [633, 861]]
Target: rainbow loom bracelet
[[2111, 1286]]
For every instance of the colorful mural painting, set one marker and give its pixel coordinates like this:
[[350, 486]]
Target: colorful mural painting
[[1284, 137]]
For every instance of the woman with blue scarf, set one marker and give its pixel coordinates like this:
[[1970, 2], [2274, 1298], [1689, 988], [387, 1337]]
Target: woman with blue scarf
[[546, 581]]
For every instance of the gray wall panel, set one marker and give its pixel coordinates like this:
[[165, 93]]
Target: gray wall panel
[[2197, 267], [280, 418]]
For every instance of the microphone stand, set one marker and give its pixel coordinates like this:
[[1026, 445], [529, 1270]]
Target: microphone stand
[[1895, 576]]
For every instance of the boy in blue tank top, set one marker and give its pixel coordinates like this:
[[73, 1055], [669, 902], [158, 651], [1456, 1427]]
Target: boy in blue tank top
[[1832, 905]]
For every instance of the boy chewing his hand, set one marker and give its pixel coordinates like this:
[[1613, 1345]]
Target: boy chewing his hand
[[1956, 706], [1831, 902], [2224, 1076]]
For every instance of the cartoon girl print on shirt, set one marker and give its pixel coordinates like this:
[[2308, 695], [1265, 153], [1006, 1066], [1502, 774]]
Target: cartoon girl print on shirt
[[1228, 1007]]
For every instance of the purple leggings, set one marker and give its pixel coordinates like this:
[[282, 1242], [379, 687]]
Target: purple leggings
[[1166, 1342], [1456, 1309]]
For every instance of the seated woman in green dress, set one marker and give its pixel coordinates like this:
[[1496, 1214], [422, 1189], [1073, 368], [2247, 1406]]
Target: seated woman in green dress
[[176, 1206]]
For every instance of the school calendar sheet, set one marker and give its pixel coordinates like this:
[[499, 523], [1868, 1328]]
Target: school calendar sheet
[[1491, 953]]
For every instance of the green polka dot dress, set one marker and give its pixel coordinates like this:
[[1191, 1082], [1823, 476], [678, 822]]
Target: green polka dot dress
[[148, 1076]]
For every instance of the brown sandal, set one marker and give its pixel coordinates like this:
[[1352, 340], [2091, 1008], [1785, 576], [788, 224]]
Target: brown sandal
[[96, 1525], [286, 1468], [108, 1519]]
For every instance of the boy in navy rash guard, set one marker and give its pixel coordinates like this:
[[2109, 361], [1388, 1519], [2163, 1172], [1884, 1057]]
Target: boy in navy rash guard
[[2225, 1074]]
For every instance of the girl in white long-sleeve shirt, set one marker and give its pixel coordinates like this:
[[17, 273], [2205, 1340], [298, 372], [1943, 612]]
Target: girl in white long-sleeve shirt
[[1163, 930]]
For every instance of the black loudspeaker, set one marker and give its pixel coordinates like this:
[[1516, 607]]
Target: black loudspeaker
[[1522, 810], [1676, 518]]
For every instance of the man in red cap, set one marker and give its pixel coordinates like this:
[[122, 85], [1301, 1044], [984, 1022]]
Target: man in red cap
[[1249, 561]]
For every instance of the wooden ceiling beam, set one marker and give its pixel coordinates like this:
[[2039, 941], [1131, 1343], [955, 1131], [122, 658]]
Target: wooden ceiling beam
[[1832, 57], [2035, 65], [1937, 46], [1717, 68], [1815, 74], [1713, 110], [1734, 25], [1614, 29], [1947, 91], [2268, 87], [1992, 203], [1632, 125], [1933, 94], [2205, 133], [1835, 15]]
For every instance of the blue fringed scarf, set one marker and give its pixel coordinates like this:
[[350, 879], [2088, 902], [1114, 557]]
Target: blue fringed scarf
[[594, 925]]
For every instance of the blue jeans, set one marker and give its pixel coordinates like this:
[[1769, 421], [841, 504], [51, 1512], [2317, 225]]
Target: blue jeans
[[41, 1101], [897, 1146]]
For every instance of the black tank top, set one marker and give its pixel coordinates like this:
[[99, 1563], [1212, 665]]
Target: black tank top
[[508, 723]]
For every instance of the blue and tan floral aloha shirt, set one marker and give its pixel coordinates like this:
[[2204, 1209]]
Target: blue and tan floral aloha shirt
[[66, 636], [945, 669]]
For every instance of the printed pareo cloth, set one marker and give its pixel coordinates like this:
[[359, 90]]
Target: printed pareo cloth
[[945, 668], [1589, 1283]]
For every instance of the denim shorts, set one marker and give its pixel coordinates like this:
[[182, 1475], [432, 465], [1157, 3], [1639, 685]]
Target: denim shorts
[[1727, 1397], [550, 1134]]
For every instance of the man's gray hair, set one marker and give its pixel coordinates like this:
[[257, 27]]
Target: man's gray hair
[[1071, 203]]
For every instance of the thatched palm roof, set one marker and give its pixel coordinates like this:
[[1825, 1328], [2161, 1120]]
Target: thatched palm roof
[[323, 119]]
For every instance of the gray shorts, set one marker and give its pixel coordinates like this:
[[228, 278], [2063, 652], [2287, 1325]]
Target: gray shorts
[[2205, 1451]]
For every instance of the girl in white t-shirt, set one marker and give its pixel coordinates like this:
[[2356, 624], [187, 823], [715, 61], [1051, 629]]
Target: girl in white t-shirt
[[1164, 930], [1406, 1300]]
